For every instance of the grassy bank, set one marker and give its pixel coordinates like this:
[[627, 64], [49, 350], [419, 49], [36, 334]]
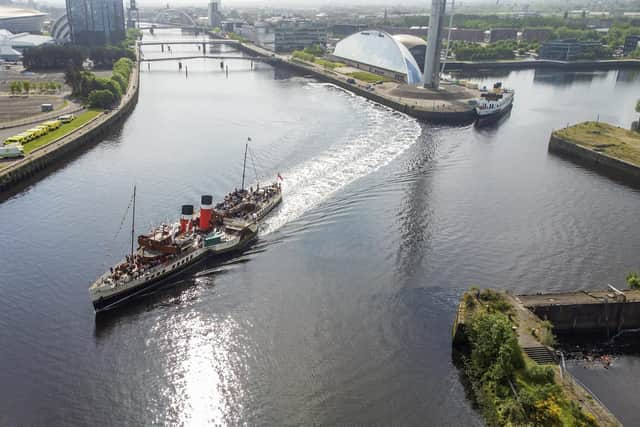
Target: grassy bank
[[509, 388], [604, 138], [369, 77], [62, 130]]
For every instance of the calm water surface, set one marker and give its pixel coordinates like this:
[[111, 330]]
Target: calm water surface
[[342, 312]]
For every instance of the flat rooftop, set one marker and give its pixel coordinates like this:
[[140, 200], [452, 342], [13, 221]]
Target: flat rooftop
[[17, 12]]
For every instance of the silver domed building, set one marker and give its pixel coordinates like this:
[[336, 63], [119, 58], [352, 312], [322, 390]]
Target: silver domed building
[[379, 52]]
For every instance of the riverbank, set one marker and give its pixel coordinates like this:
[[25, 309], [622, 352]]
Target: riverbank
[[448, 105], [609, 149], [613, 64], [39, 160], [513, 374]]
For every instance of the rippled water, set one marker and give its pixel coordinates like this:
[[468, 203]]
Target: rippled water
[[342, 311]]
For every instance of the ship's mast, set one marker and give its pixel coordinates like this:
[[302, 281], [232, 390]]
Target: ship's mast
[[244, 165], [133, 219]]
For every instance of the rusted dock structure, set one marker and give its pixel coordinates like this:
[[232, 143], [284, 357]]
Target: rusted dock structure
[[587, 312]]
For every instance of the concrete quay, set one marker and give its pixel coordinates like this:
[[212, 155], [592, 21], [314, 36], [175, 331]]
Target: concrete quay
[[449, 105], [608, 64], [599, 150], [38, 161], [534, 338], [601, 313]]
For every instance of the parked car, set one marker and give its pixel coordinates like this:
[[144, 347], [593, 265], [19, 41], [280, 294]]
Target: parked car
[[66, 118], [11, 151]]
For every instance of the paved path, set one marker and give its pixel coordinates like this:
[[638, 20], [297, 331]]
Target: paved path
[[72, 107]]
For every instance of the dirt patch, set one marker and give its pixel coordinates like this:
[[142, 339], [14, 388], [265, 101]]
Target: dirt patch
[[17, 107]]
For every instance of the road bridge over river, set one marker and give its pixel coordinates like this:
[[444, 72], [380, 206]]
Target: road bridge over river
[[227, 42], [220, 57]]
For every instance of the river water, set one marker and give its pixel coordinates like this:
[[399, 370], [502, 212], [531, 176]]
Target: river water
[[342, 311]]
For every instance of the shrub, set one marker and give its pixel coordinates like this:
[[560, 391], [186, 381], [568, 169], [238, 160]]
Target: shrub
[[101, 98], [122, 83], [633, 280], [304, 56]]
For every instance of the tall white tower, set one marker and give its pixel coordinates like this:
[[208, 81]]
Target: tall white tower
[[434, 42]]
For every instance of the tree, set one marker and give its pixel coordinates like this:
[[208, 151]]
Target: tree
[[26, 86], [122, 83], [51, 56], [16, 87], [633, 280], [101, 99]]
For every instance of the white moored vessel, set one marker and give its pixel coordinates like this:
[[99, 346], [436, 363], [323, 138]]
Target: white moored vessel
[[494, 103]]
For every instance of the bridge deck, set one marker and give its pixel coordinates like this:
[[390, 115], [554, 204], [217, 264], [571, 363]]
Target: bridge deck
[[184, 58], [212, 41]]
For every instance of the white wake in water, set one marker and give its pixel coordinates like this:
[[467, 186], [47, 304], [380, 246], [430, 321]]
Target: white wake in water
[[385, 134]]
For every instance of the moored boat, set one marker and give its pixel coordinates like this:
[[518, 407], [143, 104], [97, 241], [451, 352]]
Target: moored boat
[[493, 104], [167, 250]]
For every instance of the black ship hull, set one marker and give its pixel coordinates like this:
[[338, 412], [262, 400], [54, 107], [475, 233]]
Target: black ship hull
[[129, 294]]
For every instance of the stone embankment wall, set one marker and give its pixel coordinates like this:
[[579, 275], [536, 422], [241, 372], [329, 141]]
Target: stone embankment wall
[[448, 117], [544, 63], [603, 319], [618, 168], [44, 157]]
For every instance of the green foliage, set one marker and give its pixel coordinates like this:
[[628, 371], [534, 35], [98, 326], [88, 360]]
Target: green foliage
[[100, 98], [465, 51], [121, 81], [84, 82], [539, 374], [26, 86], [510, 391], [368, 77], [106, 56], [15, 87], [315, 50], [495, 352], [303, 56], [132, 35], [51, 56], [495, 302], [638, 106], [633, 280], [328, 64], [241, 39]]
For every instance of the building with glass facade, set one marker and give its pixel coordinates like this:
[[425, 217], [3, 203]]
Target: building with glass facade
[[566, 50], [379, 52], [19, 20], [285, 34], [96, 22]]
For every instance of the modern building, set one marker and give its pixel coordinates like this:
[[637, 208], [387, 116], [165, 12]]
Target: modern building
[[344, 30], [214, 13], [7, 53], [61, 31], [630, 44], [498, 34], [24, 41], [12, 45], [466, 34], [416, 45], [19, 20], [285, 34], [380, 53], [96, 22], [412, 31], [565, 50], [536, 34]]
